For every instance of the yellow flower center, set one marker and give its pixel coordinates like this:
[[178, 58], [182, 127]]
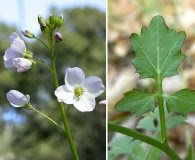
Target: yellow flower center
[[78, 91]]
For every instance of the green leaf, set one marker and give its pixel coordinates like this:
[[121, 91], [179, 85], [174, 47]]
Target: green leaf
[[122, 145], [175, 121], [136, 101], [157, 50], [172, 120], [147, 123], [155, 153], [139, 153], [181, 102]]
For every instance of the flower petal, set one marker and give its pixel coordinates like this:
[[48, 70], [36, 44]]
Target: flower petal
[[16, 99], [13, 37], [63, 94], [9, 54], [86, 103], [22, 64], [18, 46], [94, 85], [8, 63], [74, 76]]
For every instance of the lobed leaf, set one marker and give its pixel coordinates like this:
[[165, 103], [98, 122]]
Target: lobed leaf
[[122, 145], [181, 102], [172, 120], [157, 50], [136, 101], [147, 123], [175, 121]]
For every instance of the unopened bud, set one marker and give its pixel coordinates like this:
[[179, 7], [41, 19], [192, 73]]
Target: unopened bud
[[42, 26], [51, 19], [40, 19], [58, 37], [59, 21], [28, 54], [28, 34]]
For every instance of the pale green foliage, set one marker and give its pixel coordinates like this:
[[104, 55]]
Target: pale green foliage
[[147, 123], [122, 145], [172, 120], [130, 147]]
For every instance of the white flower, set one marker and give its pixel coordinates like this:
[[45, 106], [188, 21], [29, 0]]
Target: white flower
[[16, 50], [17, 99], [79, 91], [102, 103], [22, 64]]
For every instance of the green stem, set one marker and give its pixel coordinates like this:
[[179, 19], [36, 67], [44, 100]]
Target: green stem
[[63, 113], [162, 146], [42, 62], [161, 112], [187, 135], [147, 156], [191, 155], [58, 44], [51, 120]]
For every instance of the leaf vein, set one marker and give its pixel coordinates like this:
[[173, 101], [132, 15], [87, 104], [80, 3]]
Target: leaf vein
[[145, 55]]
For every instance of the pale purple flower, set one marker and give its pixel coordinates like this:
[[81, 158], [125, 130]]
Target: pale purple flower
[[22, 64], [16, 50], [102, 103], [79, 91], [17, 99]]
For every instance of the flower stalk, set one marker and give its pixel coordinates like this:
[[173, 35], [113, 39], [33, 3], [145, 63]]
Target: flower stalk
[[51, 120], [63, 113]]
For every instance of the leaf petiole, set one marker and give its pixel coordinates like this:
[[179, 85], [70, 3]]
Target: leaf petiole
[[51, 120], [161, 112]]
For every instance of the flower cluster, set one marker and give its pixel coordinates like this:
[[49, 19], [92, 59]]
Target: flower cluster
[[50, 25], [78, 90], [17, 55]]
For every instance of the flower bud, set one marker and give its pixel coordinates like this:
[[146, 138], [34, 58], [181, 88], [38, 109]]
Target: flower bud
[[28, 54], [40, 19], [43, 26], [17, 99], [58, 37], [59, 21], [51, 19], [22, 64], [28, 34]]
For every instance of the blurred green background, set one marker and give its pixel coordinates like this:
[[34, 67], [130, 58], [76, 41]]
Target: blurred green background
[[27, 135]]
